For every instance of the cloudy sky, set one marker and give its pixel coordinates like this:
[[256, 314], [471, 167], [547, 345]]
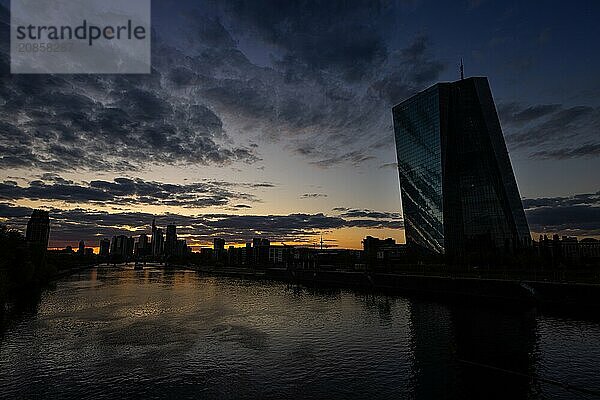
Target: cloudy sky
[[273, 118]]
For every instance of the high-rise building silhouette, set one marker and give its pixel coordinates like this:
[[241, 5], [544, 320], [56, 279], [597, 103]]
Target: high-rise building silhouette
[[104, 248], [459, 194], [142, 246], [81, 249], [260, 251], [122, 246], [157, 241], [218, 249], [181, 248], [218, 244], [38, 229], [171, 240], [130, 246]]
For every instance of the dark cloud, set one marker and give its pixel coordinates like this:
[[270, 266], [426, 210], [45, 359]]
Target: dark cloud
[[313, 97], [131, 127], [355, 157], [201, 79], [252, 97], [130, 191], [210, 32], [16, 214], [389, 165], [114, 122], [345, 36], [312, 195], [318, 92], [577, 215], [411, 70], [362, 213], [51, 177], [39, 190], [592, 199], [551, 131], [586, 150], [514, 113], [340, 209]]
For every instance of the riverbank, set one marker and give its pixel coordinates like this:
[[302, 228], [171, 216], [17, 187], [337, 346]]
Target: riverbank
[[505, 291], [71, 271], [26, 297]]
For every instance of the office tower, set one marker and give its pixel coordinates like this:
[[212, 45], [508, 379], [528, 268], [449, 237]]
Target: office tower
[[247, 256], [142, 248], [129, 247], [260, 251], [218, 244], [143, 241], [81, 250], [122, 246], [459, 194], [219, 249], [38, 229], [157, 241], [181, 249], [115, 246], [171, 240], [104, 247], [258, 242]]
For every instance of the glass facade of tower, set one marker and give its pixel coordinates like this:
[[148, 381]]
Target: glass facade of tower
[[459, 194], [38, 228], [417, 127]]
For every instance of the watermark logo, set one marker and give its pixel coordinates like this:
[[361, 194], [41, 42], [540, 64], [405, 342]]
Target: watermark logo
[[80, 36]]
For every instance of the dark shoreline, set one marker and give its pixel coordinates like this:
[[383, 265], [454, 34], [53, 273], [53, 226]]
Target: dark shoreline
[[71, 271], [565, 296], [27, 297]]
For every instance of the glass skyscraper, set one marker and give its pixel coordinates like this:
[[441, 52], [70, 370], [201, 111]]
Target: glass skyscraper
[[459, 194], [38, 229]]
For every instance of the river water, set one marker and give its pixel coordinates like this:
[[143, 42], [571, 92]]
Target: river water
[[119, 333]]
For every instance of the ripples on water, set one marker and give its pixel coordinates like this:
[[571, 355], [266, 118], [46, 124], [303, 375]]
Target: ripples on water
[[121, 333]]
